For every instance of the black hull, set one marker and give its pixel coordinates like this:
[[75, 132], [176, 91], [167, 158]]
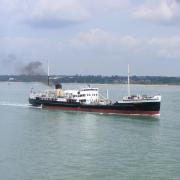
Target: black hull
[[133, 108]]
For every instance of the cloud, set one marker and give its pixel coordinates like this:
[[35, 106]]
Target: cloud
[[105, 6], [167, 47], [51, 23], [107, 42], [19, 40], [94, 38], [19, 43], [45, 13], [158, 10], [8, 62], [27, 48], [56, 13], [99, 39]]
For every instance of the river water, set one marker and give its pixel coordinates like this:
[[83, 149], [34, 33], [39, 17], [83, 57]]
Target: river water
[[63, 145]]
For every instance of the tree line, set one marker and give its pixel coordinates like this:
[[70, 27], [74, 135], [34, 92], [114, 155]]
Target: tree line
[[115, 79]]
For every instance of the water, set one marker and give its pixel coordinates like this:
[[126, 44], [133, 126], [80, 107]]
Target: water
[[62, 145]]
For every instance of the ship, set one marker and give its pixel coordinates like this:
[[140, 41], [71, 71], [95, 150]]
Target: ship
[[90, 99]]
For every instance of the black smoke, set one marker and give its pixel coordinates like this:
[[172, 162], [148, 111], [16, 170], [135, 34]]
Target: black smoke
[[12, 64], [32, 68]]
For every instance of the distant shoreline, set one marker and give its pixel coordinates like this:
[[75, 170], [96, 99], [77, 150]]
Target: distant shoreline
[[178, 85], [93, 79]]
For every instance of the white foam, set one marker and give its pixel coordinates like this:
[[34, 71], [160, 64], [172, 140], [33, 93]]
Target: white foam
[[17, 105]]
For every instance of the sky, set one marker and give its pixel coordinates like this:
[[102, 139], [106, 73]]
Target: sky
[[91, 37]]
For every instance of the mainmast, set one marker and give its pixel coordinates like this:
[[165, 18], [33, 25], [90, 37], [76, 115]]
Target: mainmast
[[129, 93], [107, 94], [48, 73]]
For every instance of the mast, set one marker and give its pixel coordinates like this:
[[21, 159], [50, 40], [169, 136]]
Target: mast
[[129, 93], [48, 73], [107, 94]]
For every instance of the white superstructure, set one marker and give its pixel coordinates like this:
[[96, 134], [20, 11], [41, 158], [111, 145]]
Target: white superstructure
[[86, 95]]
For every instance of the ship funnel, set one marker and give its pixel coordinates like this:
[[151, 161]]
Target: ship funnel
[[58, 90], [58, 86]]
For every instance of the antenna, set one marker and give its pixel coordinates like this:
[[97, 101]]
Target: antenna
[[129, 93], [48, 73]]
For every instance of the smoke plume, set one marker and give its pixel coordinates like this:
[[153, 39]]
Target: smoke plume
[[33, 68]]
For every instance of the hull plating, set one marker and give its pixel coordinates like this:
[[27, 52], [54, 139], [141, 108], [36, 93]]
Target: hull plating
[[143, 108]]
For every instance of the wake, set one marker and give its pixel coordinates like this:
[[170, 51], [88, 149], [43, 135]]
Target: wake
[[17, 105]]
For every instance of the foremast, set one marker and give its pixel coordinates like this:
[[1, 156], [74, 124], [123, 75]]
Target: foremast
[[129, 92]]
